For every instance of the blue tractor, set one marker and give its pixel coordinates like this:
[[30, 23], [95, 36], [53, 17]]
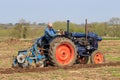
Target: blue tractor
[[63, 50]]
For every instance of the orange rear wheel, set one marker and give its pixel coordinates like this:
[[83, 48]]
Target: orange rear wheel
[[62, 52]]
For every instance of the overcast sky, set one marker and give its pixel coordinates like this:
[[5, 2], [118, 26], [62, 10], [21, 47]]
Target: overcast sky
[[11, 11]]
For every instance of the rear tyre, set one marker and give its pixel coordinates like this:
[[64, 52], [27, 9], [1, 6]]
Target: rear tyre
[[62, 52], [97, 57]]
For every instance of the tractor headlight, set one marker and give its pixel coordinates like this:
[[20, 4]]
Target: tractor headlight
[[88, 47]]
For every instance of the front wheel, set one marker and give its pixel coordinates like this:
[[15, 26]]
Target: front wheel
[[97, 57]]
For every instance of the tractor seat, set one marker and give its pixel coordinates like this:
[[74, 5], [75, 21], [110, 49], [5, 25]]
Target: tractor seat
[[42, 41]]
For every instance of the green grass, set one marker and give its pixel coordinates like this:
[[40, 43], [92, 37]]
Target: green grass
[[114, 71], [4, 32], [118, 38], [112, 58]]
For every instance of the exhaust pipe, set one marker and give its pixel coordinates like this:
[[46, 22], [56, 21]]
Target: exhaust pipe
[[68, 25], [86, 30]]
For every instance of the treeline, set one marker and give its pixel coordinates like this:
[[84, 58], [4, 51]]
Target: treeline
[[25, 29], [110, 28], [107, 29]]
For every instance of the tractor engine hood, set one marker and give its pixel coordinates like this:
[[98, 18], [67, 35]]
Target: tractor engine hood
[[95, 36], [89, 35]]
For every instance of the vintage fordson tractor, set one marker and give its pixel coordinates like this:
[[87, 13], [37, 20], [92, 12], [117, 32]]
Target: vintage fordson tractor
[[63, 50]]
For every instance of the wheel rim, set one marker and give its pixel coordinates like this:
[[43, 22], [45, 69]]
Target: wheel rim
[[98, 58], [64, 54]]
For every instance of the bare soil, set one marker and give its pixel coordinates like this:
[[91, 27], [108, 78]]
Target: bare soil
[[107, 71], [51, 68]]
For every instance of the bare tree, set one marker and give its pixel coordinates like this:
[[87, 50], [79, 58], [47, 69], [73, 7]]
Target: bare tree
[[114, 21]]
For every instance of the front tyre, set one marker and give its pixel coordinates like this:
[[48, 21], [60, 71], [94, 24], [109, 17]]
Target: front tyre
[[97, 57]]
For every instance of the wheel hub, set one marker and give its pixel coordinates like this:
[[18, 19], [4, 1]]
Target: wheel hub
[[64, 54], [98, 58]]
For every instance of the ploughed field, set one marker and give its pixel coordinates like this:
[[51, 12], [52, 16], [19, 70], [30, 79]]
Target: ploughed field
[[108, 71]]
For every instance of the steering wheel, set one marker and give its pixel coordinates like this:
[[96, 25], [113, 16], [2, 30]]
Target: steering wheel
[[60, 32]]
